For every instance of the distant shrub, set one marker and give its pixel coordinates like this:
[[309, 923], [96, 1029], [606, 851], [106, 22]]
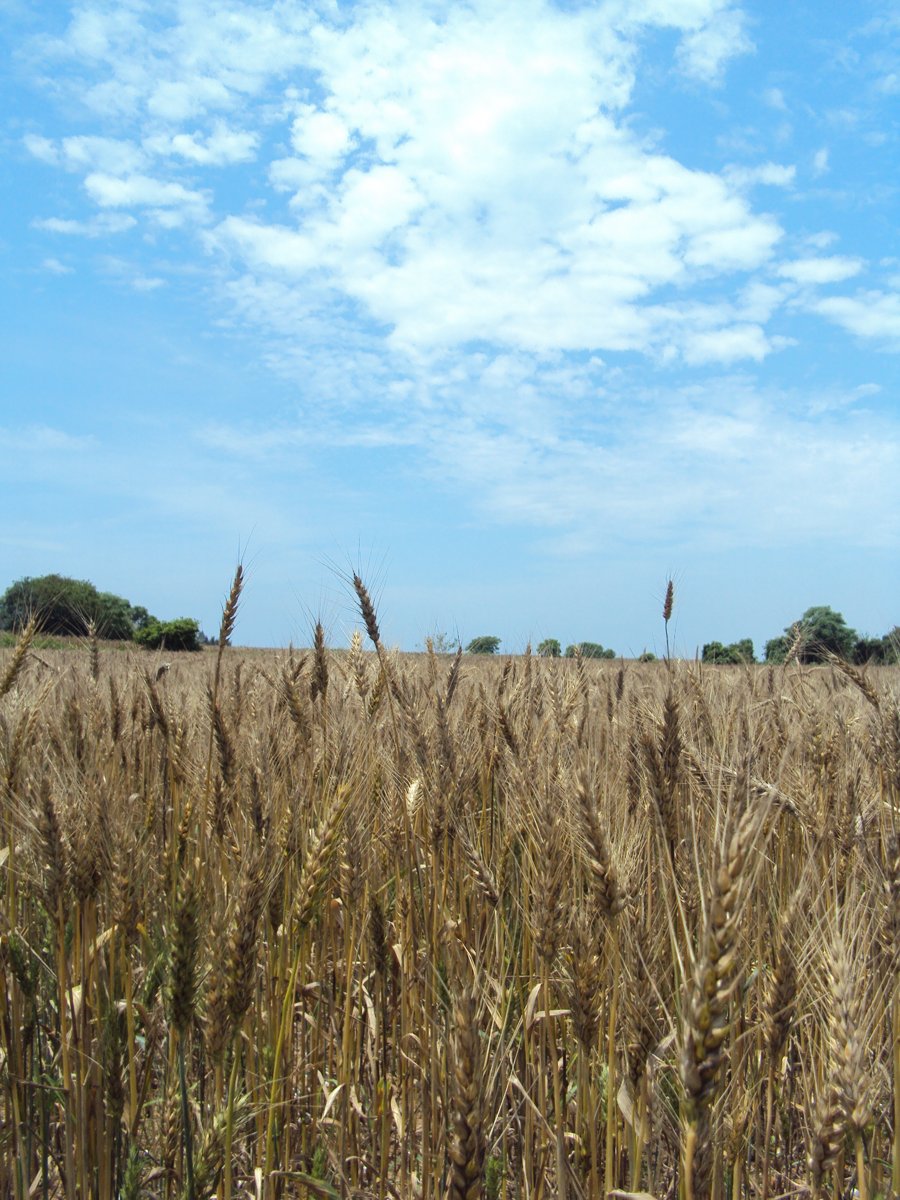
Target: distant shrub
[[181, 634]]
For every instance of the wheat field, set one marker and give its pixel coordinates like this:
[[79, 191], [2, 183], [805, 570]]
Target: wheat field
[[364, 924]]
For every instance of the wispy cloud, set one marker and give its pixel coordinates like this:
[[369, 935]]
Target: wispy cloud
[[98, 226], [55, 267], [37, 439]]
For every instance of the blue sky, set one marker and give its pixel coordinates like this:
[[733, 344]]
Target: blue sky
[[519, 308]]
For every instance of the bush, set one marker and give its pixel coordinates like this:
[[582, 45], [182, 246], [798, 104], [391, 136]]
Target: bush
[[182, 634], [549, 648]]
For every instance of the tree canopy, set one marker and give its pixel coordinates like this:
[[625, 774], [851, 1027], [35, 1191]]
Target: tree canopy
[[549, 648], [73, 607], [69, 607], [819, 632], [486, 644], [181, 634], [736, 652]]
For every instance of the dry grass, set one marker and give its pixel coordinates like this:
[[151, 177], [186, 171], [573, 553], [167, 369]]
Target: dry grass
[[359, 924]]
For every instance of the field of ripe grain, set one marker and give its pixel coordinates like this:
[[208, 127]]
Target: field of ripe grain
[[338, 924]]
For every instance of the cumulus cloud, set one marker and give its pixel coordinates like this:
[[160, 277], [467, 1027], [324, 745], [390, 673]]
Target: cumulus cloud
[[456, 172]]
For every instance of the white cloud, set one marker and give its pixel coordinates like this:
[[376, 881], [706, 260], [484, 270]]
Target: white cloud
[[182, 100], [41, 148], [456, 174], [222, 147], [147, 283], [55, 267], [99, 226], [727, 345], [820, 161], [774, 98], [108, 155], [770, 174], [704, 54], [821, 270], [870, 314], [729, 464], [139, 191], [266, 247], [503, 206], [321, 137], [821, 240]]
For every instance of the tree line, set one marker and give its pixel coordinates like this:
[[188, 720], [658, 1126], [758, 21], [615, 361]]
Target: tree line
[[818, 635], [75, 608]]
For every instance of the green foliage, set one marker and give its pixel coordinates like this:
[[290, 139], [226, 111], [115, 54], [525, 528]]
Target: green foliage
[[182, 634], [483, 645], [736, 652], [826, 631], [776, 649], [549, 648], [494, 1171], [8, 639], [878, 650], [589, 650], [67, 607], [647, 656], [822, 632]]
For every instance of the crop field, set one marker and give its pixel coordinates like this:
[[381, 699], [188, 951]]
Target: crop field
[[360, 924]]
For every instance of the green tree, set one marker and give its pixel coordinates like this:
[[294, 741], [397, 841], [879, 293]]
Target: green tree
[[483, 645], [777, 648], [891, 643], [736, 652], [878, 650], [589, 650], [716, 653], [549, 648], [825, 631], [66, 606], [181, 634], [819, 632]]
